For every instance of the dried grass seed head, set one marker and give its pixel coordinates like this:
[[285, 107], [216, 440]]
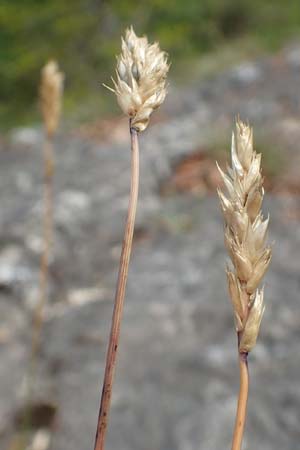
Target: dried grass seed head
[[245, 234], [140, 84], [51, 90]]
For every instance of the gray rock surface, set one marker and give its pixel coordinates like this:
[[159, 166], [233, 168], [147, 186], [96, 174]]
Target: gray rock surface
[[177, 376]]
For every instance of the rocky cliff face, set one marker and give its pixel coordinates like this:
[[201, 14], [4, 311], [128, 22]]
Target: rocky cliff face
[[177, 376]]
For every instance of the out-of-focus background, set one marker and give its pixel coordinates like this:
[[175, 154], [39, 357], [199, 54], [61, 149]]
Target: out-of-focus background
[[177, 376]]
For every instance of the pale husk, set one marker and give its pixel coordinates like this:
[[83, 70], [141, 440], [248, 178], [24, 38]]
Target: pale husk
[[141, 73], [51, 90], [245, 234]]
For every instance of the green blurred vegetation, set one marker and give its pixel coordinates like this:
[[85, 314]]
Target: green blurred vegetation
[[84, 36]]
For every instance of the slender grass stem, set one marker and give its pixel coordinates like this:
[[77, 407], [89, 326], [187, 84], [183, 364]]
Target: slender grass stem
[[119, 297], [38, 314], [47, 243], [242, 403]]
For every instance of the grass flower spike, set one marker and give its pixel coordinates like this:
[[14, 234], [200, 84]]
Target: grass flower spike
[[50, 97], [245, 235], [140, 83], [140, 88], [51, 91]]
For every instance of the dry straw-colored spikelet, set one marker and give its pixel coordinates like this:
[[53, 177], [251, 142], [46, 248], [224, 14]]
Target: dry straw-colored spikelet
[[245, 236], [140, 84], [51, 90]]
